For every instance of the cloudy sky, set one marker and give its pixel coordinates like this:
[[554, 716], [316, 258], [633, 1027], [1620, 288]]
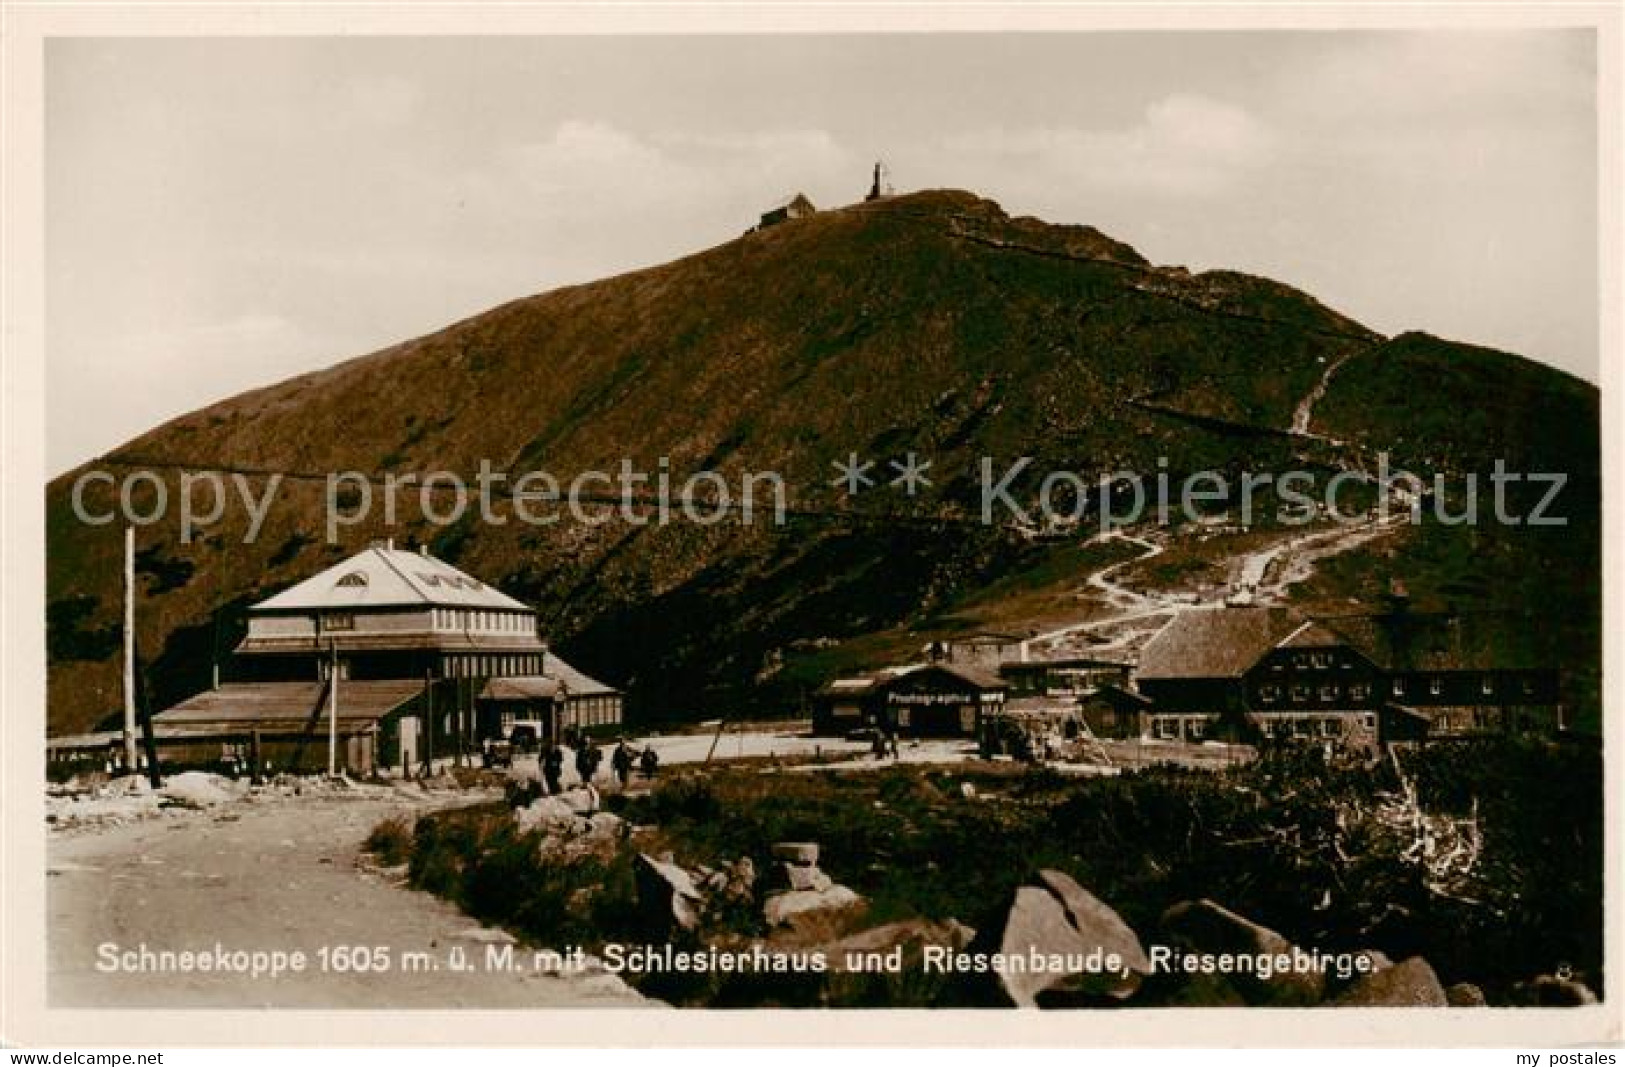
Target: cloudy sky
[[225, 213]]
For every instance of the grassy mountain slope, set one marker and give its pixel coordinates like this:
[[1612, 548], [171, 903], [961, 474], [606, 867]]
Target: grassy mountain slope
[[930, 323]]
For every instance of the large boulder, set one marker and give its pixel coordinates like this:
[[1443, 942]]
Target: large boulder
[[804, 879], [1209, 929], [1097, 923], [908, 938], [1552, 991], [796, 907], [1366, 962], [1086, 951], [1465, 995], [582, 800], [549, 815], [804, 853], [1407, 984], [668, 899], [196, 789]]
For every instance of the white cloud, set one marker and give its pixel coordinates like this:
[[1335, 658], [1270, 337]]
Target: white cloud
[[1183, 145], [1372, 80]]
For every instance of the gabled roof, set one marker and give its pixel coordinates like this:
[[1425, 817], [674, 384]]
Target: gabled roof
[[1118, 697], [860, 684], [288, 705], [1312, 634], [790, 201], [575, 682], [1217, 643], [558, 679], [856, 686], [972, 676], [1419, 642], [528, 687], [383, 576]]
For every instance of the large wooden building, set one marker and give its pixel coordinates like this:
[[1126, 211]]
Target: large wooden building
[[403, 645], [1270, 673]]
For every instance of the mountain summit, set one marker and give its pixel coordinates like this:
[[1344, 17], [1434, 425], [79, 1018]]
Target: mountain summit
[[930, 323]]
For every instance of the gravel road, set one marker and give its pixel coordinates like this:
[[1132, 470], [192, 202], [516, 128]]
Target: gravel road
[[269, 875]]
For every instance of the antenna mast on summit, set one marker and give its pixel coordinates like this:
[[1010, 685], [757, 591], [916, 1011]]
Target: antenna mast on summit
[[881, 186]]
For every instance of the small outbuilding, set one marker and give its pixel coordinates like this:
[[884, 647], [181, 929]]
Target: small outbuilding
[[943, 700], [794, 207]]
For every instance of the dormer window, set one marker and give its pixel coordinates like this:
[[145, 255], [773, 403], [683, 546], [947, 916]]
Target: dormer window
[[353, 580]]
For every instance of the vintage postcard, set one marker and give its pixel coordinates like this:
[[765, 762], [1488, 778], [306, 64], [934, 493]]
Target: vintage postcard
[[1031, 525]]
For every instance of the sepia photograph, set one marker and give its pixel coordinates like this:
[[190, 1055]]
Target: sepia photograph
[[1071, 520]]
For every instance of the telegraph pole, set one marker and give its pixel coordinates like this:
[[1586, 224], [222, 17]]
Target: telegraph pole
[[129, 650], [333, 715]]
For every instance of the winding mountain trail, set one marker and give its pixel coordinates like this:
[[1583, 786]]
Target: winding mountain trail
[[1305, 410], [1121, 595], [1290, 561]]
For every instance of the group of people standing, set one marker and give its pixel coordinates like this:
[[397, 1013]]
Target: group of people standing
[[589, 757]]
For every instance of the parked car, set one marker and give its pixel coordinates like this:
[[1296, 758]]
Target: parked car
[[525, 737]]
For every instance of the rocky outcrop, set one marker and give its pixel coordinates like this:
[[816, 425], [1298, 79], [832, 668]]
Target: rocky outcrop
[[567, 832], [1099, 957], [1203, 926], [906, 939], [1410, 983], [546, 815], [1553, 991], [804, 897], [668, 899], [195, 789], [792, 907]]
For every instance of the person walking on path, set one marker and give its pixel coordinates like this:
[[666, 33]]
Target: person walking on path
[[621, 761], [553, 768]]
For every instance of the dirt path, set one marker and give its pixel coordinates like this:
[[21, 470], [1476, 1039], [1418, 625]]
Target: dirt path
[[1305, 410], [1263, 575], [274, 875]]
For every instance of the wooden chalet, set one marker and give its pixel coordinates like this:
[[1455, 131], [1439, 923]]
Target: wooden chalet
[[1269, 673], [402, 643]]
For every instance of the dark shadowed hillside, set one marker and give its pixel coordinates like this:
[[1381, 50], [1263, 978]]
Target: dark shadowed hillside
[[930, 323]]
